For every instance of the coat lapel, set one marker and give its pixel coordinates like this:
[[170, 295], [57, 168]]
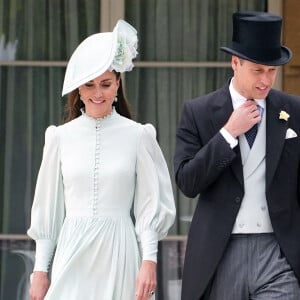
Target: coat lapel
[[275, 135], [221, 109]]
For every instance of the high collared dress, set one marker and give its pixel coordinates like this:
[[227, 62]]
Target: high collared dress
[[94, 172]]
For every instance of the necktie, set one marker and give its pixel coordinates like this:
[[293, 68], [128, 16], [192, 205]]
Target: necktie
[[251, 133]]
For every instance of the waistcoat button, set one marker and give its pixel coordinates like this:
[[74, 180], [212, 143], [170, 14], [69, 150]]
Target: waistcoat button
[[237, 200]]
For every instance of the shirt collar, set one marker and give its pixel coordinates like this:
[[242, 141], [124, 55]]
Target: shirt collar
[[238, 100]]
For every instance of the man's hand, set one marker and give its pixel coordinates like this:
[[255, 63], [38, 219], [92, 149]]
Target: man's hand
[[243, 118]]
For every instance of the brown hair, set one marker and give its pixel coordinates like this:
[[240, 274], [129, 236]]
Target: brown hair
[[74, 104]]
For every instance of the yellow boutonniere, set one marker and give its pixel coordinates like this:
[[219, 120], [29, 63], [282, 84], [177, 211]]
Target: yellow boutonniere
[[283, 115]]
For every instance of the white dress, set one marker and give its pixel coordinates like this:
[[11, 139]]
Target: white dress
[[92, 173]]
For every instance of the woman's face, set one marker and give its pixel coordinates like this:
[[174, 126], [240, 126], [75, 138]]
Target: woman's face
[[98, 94]]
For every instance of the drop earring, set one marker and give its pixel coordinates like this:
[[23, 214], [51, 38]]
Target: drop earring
[[116, 98]]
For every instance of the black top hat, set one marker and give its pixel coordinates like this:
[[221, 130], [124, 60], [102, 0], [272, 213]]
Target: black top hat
[[256, 37]]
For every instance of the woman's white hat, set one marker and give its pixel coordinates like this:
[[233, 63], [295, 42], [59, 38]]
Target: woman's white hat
[[101, 52]]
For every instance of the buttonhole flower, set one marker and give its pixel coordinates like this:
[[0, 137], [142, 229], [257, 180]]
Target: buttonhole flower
[[283, 115]]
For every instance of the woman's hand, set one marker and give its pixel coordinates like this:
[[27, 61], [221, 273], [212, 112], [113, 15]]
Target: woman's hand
[[39, 286], [146, 280]]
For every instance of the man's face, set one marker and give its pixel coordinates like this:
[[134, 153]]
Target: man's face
[[251, 80]]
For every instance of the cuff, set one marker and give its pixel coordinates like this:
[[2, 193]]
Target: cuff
[[43, 255], [229, 138], [149, 241]]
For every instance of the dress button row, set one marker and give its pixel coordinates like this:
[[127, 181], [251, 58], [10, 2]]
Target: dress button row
[[96, 168]]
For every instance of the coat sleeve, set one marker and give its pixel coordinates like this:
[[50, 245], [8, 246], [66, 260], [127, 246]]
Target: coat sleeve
[[154, 206], [201, 155], [48, 211]]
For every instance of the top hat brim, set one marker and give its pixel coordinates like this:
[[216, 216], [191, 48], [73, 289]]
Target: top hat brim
[[286, 55]]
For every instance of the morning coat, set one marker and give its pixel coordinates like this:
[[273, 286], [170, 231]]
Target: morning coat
[[205, 165]]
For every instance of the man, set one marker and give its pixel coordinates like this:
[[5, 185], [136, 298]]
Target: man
[[244, 240]]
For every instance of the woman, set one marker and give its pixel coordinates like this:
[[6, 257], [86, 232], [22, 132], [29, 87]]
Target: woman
[[95, 168]]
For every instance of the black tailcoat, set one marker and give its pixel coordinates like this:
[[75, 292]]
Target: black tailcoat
[[206, 165]]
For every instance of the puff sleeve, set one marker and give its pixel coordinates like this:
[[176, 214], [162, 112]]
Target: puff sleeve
[[154, 206], [47, 213]]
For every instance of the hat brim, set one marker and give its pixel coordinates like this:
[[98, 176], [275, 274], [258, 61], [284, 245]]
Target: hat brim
[[89, 60], [286, 55]]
